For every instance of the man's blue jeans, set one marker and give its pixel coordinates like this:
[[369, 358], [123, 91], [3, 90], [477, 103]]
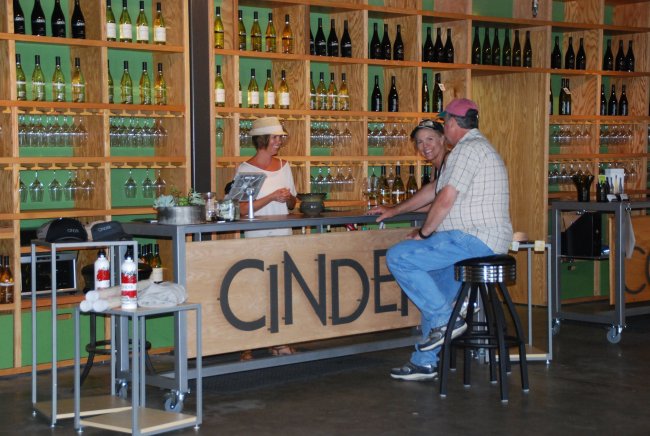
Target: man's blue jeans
[[425, 271]]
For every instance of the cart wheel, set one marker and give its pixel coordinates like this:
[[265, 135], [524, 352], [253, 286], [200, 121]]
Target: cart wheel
[[173, 403], [614, 334], [122, 389], [555, 328]]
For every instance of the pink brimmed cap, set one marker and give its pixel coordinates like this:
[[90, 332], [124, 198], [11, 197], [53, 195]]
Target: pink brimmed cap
[[458, 107]]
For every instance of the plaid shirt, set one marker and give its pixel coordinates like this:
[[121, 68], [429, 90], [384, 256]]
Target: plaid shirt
[[479, 175]]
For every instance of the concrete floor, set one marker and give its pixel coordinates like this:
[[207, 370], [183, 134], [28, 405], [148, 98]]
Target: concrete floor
[[591, 387]]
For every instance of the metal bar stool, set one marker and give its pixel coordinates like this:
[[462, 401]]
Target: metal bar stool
[[485, 277]]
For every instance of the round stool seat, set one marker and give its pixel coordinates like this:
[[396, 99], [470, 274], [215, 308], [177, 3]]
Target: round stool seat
[[498, 268]]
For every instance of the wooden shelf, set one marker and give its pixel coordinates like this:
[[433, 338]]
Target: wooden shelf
[[107, 405], [150, 421]]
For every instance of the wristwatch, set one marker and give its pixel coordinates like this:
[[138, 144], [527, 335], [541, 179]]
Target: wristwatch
[[422, 235]]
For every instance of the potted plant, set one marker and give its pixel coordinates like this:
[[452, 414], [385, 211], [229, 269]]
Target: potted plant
[[180, 209]]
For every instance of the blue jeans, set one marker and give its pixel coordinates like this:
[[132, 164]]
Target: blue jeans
[[424, 269]]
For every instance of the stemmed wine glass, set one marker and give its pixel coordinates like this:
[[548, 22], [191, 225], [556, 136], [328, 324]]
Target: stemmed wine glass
[[55, 188], [148, 188], [36, 189], [22, 191], [130, 187], [88, 187], [71, 186], [159, 185]]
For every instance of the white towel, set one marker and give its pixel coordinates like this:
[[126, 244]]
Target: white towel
[[163, 294]]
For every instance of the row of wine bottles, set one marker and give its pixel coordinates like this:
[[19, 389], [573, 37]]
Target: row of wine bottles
[[438, 52], [6, 281], [623, 62], [57, 20], [571, 60], [436, 102], [390, 189], [269, 99], [270, 35], [332, 47], [506, 55], [384, 49], [613, 106]]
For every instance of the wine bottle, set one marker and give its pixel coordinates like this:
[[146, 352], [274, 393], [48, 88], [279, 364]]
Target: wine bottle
[[19, 18], [332, 41], [269, 92], [218, 28], [383, 188], [438, 100], [476, 48], [386, 46], [111, 86], [21, 80], [219, 89], [156, 265], [253, 92], [38, 19], [612, 105], [346, 41], [427, 48], [126, 85], [619, 64], [58, 20], [393, 96], [560, 98], [623, 109], [111, 25], [567, 98], [629, 58], [320, 42], [126, 29], [78, 83], [7, 283], [160, 87], [516, 51], [426, 178], [332, 95], [411, 183], [283, 92], [556, 55], [287, 37], [376, 101], [241, 30], [550, 100], [569, 56], [312, 45], [38, 81], [239, 95], [506, 59], [159, 28], [344, 95], [449, 49], [496, 48], [256, 34], [145, 85], [438, 48], [426, 104], [528, 52], [78, 22], [375, 44], [58, 81], [313, 104], [321, 94], [142, 26], [581, 57], [603, 101], [398, 191], [270, 36], [486, 52], [398, 47], [608, 58]]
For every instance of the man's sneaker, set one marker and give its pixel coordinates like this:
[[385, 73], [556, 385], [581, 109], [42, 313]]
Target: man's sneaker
[[411, 371], [437, 335]]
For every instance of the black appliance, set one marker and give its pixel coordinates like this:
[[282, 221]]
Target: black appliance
[[66, 277], [584, 237]]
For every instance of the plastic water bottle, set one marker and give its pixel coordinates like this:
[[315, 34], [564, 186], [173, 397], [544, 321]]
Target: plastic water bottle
[[129, 282], [102, 271]]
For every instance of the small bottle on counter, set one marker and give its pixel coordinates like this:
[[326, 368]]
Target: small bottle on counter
[[102, 271], [129, 282]]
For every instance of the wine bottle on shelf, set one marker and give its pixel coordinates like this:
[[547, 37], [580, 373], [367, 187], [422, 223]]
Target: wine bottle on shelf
[[313, 105], [38, 80], [239, 95], [556, 55], [449, 49], [608, 58], [581, 57], [256, 33], [346, 41], [506, 59], [619, 63], [332, 40], [142, 26], [270, 36], [438, 99], [438, 48], [550, 99], [78, 83], [375, 44], [57, 21], [411, 183], [287, 37], [344, 95], [160, 87], [426, 176], [398, 46], [603, 101], [398, 191], [218, 28], [476, 47], [565, 98], [78, 22], [111, 86], [102, 271], [111, 25], [320, 42], [312, 45], [156, 265], [126, 85], [159, 28], [253, 92], [241, 30], [393, 96], [21, 80], [383, 188], [569, 56], [623, 109], [145, 85], [6, 283], [126, 28], [129, 282], [427, 48], [284, 96], [219, 89], [560, 98], [528, 52], [629, 58], [516, 51], [321, 94], [486, 52], [612, 105], [376, 100], [332, 95], [19, 18], [58, 81], [269, 92], [38, 19], [496, 48], [426, 104], [386, 46]]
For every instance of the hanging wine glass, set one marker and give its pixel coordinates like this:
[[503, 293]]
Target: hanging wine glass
[[160, 185], [55, 188], [70, 187], [130, 187], [36, 189], [88, 187], [148, 188], [22, 191]]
